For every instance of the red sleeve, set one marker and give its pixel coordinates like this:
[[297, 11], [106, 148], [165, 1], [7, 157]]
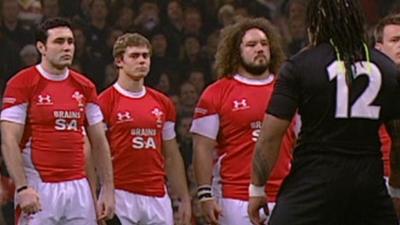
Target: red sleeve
[[17, 92], [207, 104]]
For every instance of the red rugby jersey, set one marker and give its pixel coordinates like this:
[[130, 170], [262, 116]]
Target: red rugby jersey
[[137, 125], [54, 110], [231, 111]]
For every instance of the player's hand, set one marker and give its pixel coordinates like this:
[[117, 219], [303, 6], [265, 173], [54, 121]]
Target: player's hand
[[28, 200], [253, 209], [396, 204], [211, 210], [184, 212], [105, 204]]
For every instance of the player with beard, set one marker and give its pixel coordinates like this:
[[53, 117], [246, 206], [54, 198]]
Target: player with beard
[[141, 132], [228, 119], [344, 91]]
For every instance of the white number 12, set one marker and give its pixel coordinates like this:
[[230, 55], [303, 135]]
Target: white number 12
[[362, 107]]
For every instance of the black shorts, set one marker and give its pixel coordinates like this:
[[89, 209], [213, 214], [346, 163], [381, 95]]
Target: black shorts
[[334, 189]]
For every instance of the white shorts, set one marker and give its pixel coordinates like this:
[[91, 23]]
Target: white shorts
[[63, 203], [234, 212], [135, 209]]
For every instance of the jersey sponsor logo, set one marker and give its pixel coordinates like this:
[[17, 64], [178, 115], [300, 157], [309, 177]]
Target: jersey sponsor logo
[[9, 100], [240, 105], [124, 117], [44, 100], [158, 114], [79, 98], [256, 126], [66, 120], [143, 138], [199, 110]]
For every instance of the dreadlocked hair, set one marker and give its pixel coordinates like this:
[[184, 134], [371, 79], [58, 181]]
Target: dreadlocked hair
[[340, 23]]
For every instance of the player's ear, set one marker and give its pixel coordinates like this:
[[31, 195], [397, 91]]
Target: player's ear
[[378, 46], [118, 61], [40, 47]]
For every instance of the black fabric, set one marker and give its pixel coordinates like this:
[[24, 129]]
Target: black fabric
[[334, 189], [304, 85]]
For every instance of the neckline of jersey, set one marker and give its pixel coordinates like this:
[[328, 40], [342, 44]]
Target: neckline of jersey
[[129, 94], [248, 81], [50, 76]]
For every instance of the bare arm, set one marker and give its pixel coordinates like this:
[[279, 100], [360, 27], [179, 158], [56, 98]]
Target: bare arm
[[11, 134], [203, 148], [176, 176], [102, 159], [27, 198], [89, 167], [175, 169], [267, 148], [101, 154]]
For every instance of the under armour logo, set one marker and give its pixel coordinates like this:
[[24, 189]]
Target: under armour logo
[[126, 116], [240, 105], [44, 100], [79, 98]]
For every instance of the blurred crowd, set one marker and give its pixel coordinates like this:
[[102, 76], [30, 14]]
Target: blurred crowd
[[184, 35]]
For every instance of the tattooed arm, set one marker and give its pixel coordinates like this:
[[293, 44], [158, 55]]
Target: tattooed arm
[[267, 148], [265, 156]]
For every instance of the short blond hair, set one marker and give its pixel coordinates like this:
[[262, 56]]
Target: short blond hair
[[129, 40]]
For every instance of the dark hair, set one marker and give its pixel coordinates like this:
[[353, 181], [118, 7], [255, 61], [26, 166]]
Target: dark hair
[[227, 58], [341, 23], [43, 28], [392, 19]]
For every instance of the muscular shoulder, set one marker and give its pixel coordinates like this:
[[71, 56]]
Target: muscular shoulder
[[106, 94], [81, 79], [159, 96], [27, 77]]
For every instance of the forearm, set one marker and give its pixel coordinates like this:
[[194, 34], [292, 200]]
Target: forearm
[[176, 176], [102, 161], [267, 148], [265, 157], [14, 163], [89, 168], [202, 165]]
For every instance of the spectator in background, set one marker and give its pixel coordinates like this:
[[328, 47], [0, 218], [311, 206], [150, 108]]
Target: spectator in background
[[96, 34], [81, 59], [125, 19], [187, 98], [185, 139], [50, 8], [191, 55], [12, 28], [174, 27], [226, 15], [296, 25], [148, 17], [10, 61], [29, 55], [161, 61], [210, 50], [197, 77], [193, 23]]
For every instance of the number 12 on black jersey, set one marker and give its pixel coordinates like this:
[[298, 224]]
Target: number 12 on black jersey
[[361, 108]]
